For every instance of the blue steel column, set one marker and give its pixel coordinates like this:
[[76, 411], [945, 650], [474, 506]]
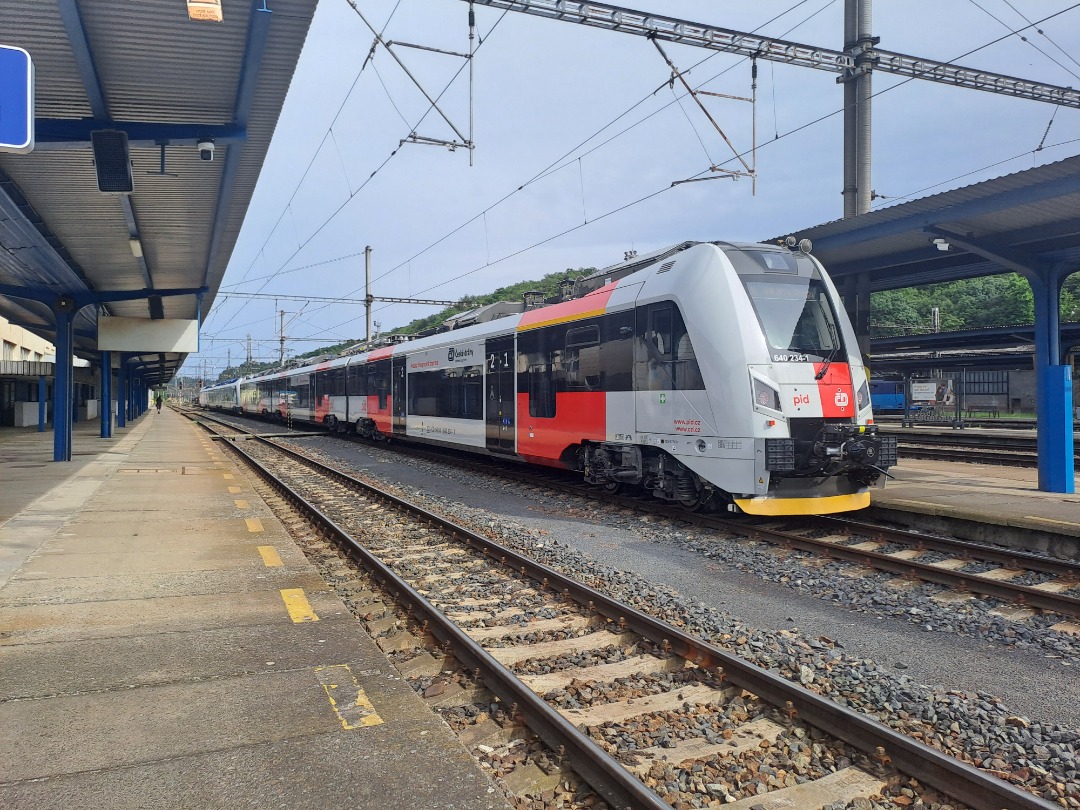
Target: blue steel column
[[62, 387], [121, 392], [42, 406], [106, 395], [1053, 386]]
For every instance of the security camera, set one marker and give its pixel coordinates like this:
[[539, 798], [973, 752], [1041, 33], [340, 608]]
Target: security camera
[[206, 149]]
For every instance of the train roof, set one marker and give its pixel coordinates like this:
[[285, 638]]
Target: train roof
[[500, 316]]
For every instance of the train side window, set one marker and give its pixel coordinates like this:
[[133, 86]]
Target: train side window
[[472, 393], [379, 382], [542, 387], [659, 335], [581, 359], [687, 371], [356, 381], [664, 357]]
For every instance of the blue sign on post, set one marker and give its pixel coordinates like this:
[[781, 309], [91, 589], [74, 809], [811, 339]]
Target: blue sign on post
[[16, 100]]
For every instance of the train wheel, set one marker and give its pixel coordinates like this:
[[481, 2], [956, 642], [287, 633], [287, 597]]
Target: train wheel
[[691, 504], [331, 423], [611, 487]]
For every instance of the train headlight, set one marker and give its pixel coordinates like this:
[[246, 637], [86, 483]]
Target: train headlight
[[863, 397], [765, 395]]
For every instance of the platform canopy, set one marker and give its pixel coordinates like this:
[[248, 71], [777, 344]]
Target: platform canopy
[[1027, 223], [137, 95], [1026, 219]]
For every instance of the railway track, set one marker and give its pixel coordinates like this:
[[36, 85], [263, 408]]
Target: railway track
[[1017, 578], [596, 679], [972, 446], [1005, 454]]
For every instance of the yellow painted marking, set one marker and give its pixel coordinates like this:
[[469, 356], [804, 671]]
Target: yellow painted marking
[[298, 606], [577, 316], [1038, 519], [924, 506], [804, 506], [270, 556], [254, 524], [234, 490], [241, 504], [227, 476], [348, 700]]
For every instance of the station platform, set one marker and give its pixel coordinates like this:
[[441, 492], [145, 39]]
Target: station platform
[[991, 503], [164, 643]]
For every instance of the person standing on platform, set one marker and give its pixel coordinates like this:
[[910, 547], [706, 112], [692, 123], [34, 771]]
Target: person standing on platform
[[158, 403]]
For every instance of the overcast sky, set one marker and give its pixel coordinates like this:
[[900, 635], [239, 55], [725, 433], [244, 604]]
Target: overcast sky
[[579, 139]]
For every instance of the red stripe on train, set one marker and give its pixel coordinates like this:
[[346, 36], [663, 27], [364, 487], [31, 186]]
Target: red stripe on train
[[835, 390], [578, 415]]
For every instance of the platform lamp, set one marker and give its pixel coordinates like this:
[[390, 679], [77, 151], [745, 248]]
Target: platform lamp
[[112, 161]]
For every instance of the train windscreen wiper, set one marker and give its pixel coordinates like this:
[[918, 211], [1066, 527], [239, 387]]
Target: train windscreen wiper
[[832, 354]]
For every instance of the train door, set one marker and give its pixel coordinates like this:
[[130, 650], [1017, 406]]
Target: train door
[[397, 394], [501, 381]]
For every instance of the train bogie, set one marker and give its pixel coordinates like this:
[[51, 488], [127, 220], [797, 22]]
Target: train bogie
[[709, 374]]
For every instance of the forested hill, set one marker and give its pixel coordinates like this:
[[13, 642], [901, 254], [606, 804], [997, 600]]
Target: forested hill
[[1003, 300], [976, 303]]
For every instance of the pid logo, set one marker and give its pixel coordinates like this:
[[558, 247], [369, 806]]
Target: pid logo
[[801, 399], [841, 399]]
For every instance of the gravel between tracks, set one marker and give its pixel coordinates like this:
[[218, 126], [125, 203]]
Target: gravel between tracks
[[999, 676]]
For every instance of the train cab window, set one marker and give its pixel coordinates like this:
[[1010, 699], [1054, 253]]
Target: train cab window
[[581, 359], [795, 314]]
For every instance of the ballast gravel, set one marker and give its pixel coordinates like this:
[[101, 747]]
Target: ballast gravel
[[972, 724]]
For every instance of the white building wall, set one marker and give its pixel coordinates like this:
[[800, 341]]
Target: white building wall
[[23, 345]]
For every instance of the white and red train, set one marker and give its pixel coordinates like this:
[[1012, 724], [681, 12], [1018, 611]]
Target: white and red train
[[709, 374]]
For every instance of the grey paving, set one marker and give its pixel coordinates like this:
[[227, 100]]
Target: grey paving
[[148, 657]]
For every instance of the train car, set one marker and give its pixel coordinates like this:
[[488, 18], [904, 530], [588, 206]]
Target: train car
[[224, 396], [714, 375], [887, 396]]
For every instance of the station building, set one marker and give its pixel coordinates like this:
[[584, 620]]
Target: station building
[[27, 371]]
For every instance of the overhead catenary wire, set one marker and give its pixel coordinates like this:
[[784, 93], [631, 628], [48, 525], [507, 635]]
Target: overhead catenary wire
[[1004, 24], [642, 199], [1024, 17], [785, 135], [560, 162], [655, 193], [352, 195], [315, 155]]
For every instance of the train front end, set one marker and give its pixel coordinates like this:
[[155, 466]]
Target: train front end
[[817, 449]]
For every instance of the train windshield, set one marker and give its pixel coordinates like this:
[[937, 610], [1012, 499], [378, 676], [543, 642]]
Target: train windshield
[[795, 313]]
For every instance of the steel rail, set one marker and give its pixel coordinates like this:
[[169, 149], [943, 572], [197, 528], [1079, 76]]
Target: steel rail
[[614, 783], [960, 780], [1000, 589], [1044, 600], [1009, 558]]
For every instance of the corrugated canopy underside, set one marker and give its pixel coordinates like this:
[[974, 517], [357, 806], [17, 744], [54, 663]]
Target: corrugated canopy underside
[[101, 64]]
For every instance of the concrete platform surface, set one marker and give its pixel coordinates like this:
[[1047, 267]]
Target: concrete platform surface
[[152, 655], [1004, 497]]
